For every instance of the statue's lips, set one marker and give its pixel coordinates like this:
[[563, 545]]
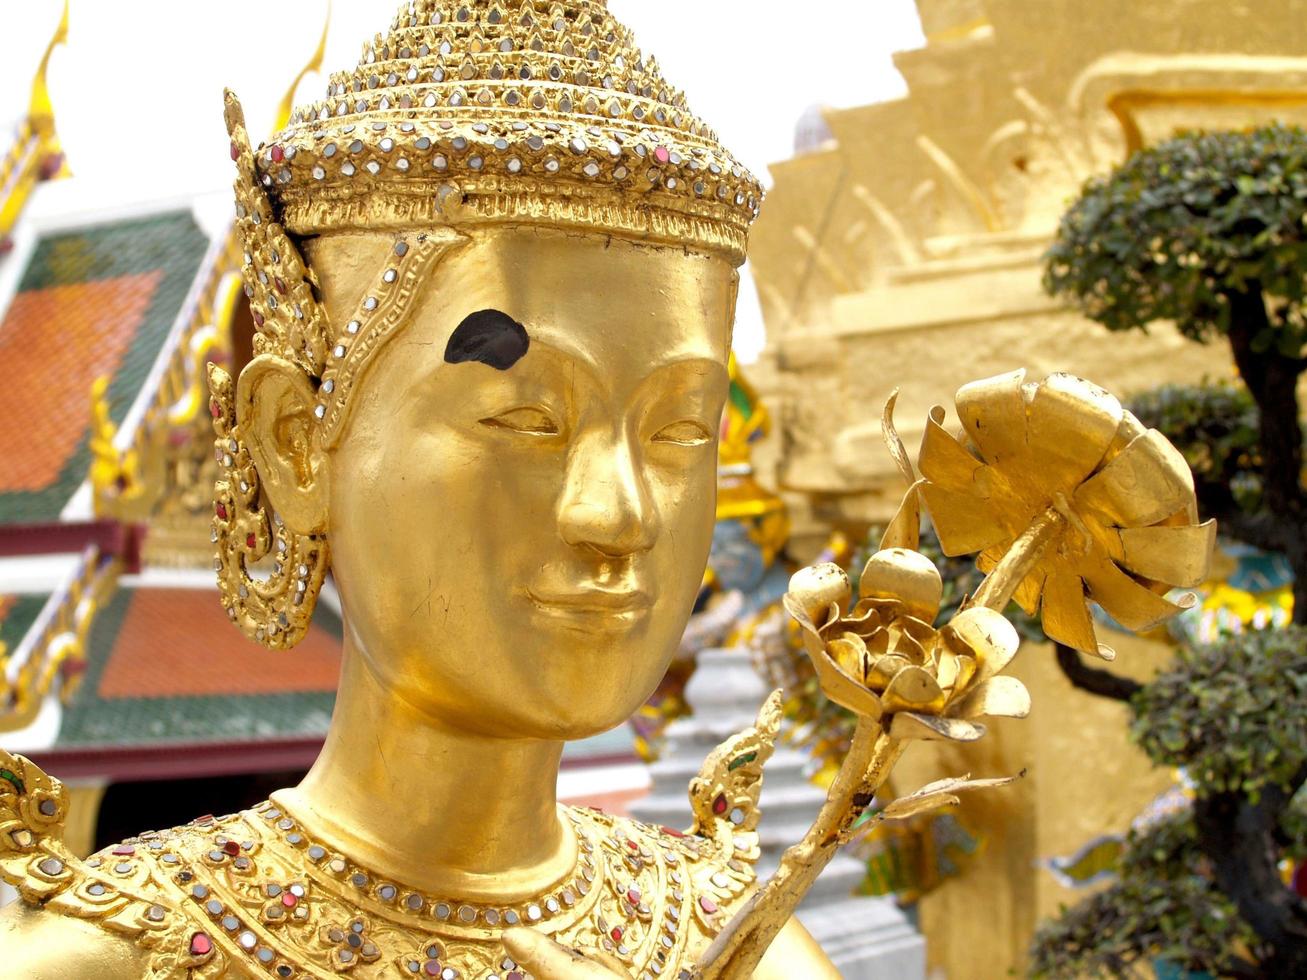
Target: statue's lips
[[594, 607]]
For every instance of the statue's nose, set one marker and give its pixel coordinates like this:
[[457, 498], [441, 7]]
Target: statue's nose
[[605, 505]]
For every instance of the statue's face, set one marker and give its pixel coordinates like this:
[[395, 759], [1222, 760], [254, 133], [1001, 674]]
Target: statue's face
[[521, 505]]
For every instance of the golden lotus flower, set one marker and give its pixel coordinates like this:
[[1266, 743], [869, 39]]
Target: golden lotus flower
[[1080, 499], [885, 657]]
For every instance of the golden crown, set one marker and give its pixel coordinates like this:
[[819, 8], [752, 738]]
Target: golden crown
[[508, 110]]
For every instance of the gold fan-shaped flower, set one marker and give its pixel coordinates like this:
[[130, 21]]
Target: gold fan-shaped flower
[[1066, 497], [885, 657]]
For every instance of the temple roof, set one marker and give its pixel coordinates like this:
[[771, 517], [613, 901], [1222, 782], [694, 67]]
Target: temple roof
[[95, 301], [17, 613], [165, 666]]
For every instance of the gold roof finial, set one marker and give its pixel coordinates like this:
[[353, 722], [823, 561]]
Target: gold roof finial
[[39, 109], [313, 64], [36, 154]]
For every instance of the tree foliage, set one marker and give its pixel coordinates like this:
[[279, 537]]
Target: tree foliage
[[1187, 891], [1231, 714], [1164, 904], [1180, 227]]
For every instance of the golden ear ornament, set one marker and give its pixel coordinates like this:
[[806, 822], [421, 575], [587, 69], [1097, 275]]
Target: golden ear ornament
[[273, 608]]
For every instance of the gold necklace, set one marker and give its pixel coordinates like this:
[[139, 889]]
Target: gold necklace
[[261, 890]]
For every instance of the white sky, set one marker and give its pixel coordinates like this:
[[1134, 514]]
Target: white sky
[[138, 87]]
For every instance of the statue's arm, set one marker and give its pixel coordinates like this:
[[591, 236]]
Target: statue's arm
[[794, 953], [42, 945]]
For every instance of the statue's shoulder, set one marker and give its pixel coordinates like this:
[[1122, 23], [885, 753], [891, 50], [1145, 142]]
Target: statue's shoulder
[[42, 944], [129, 910]]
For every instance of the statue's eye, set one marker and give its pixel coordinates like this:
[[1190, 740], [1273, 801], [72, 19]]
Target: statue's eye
[[533, 421], [686, 432]]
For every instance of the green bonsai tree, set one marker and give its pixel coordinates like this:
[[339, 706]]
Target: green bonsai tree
[[1202, 888], [1207, 231]]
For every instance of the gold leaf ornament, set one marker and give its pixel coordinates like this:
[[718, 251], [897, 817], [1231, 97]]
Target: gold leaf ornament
[[1066, 490], [885, 660], [942, 792]]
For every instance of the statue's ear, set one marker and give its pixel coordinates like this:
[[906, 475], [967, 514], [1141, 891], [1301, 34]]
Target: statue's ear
[[274, 408]]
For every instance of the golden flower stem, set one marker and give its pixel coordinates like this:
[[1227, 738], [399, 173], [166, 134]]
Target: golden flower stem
[[740, 946], [1027, 551]]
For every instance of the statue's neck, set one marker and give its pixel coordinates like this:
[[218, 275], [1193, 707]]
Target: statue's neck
[[445, 811]]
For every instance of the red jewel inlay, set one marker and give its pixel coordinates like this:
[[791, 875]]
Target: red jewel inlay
[[707, 904], [281, 286], [278, 154], [674, 833], [124, 850], [232, 848], [201, 944], [288, 900], [616, 934], [662, 154], [235, 151], [258, 318], [719, 805], [250, 540], [214, 408], [632, 845], [221, 511], [633, 895], [431, 968]]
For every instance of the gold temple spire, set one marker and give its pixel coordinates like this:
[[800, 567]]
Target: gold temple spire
[[36, 154]]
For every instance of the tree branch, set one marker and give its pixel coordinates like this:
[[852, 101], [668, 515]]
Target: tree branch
[[1272, 380], [1261, 530], [1242, 969], [1238, 836], [1095, 680]]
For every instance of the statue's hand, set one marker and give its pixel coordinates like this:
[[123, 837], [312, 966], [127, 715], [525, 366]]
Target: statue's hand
[[547, 960]]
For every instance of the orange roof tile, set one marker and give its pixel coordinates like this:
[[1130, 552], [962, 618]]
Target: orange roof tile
[[53, 343], [179, 642]]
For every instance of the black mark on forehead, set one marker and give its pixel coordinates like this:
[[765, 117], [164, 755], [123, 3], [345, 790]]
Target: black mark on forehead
[[490, 337]]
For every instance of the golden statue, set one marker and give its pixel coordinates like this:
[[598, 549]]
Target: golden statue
[[493, 274]]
